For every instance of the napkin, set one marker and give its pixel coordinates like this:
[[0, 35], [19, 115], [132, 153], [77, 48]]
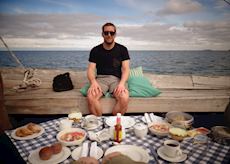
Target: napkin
[[147, 118], [85, 149], [93, 150], [152, 117]]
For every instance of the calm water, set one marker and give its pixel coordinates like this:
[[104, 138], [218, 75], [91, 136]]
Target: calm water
[[158, 62]]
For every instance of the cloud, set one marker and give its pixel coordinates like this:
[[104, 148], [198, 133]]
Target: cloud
[[49, 25], [192, 35], [176, 7], [83, 31]]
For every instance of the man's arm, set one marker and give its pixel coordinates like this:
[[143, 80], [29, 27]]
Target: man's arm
[[94, 86], [125, 72], [91, 72], [124, 77]]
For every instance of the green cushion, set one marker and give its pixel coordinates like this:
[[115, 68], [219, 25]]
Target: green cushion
[[85, 88], [136, 72], [141, 87]]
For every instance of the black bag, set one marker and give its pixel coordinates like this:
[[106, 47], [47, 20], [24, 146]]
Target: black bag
[[62, 82]]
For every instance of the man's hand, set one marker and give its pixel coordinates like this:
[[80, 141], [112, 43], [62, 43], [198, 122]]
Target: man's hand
[[94, 88], [119, 89]]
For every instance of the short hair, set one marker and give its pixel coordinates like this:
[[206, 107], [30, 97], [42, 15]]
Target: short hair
[[108, 24]]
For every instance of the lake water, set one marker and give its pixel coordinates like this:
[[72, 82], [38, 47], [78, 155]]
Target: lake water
[[158, 62]]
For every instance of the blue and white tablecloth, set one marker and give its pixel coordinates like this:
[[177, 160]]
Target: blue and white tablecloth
[[213, 153]]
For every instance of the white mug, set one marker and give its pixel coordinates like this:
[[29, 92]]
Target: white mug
[[65, 124], [140, 130], [172, 148]]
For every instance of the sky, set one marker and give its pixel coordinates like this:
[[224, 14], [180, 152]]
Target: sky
[[141, 24]]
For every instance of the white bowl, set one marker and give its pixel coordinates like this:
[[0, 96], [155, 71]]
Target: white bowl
[[180, 119], [74, 142], [159, 129]]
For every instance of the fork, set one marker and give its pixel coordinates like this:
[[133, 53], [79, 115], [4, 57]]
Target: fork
[[154, 153]]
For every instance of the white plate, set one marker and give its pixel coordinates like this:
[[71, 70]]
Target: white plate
[[93, 127], [126, 121], [76, 153], [13, 134], [57, 158], [136, 153], [181, 158]]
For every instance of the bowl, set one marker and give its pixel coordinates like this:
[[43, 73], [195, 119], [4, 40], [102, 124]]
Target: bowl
[[221, 134], [159, 129], [180, 119], [72, 136]]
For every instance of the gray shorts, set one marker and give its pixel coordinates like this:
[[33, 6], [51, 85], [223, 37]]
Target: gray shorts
[[108, 83]]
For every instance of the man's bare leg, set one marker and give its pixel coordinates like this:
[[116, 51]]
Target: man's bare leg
[[94, 104], [121, 105]]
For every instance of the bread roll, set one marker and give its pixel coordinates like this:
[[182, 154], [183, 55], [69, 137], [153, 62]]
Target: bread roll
[[56, 148], [34, 127], [19, 133], [45, 153]]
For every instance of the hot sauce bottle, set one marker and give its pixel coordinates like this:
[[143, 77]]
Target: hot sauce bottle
[[118, 129]]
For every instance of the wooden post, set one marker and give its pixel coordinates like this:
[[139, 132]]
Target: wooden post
[[4, 119]]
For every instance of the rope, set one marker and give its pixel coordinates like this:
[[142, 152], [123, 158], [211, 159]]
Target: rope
[[29, 81]]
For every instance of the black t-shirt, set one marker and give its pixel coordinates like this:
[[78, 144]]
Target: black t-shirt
[[108, 62]]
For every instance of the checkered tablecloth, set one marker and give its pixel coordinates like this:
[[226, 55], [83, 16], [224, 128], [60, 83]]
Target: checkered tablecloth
[[214, 153]]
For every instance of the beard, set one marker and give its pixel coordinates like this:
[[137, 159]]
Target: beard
[[109, 42]]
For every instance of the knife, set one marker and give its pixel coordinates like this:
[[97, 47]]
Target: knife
[[154, 154]]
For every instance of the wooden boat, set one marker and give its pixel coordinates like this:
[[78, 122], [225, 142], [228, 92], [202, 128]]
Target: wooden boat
[[181, 93]]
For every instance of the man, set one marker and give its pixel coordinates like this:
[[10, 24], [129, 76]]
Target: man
[[111, 62]]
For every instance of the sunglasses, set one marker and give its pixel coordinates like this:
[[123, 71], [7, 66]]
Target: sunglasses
[[109, 32]]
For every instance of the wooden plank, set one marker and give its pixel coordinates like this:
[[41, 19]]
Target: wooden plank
[[211, 82], [170, 81], [136, 105], [43, 94]]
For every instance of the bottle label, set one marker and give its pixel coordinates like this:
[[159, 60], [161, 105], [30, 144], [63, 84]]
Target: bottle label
[[118, 135]]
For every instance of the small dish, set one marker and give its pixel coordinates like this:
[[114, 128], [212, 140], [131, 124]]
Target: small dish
[[72, 136], [181, 158], [159, 129]]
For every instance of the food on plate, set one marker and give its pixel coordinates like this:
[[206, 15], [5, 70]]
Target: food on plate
[[72, 136], [34, 127], [160, 127], [23, 132], [27, 130], [45, 153], [201, 130], [76, 117], [56, 148], [178, 133]]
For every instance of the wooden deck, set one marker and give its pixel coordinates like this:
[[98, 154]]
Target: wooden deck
[[181, 93]]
